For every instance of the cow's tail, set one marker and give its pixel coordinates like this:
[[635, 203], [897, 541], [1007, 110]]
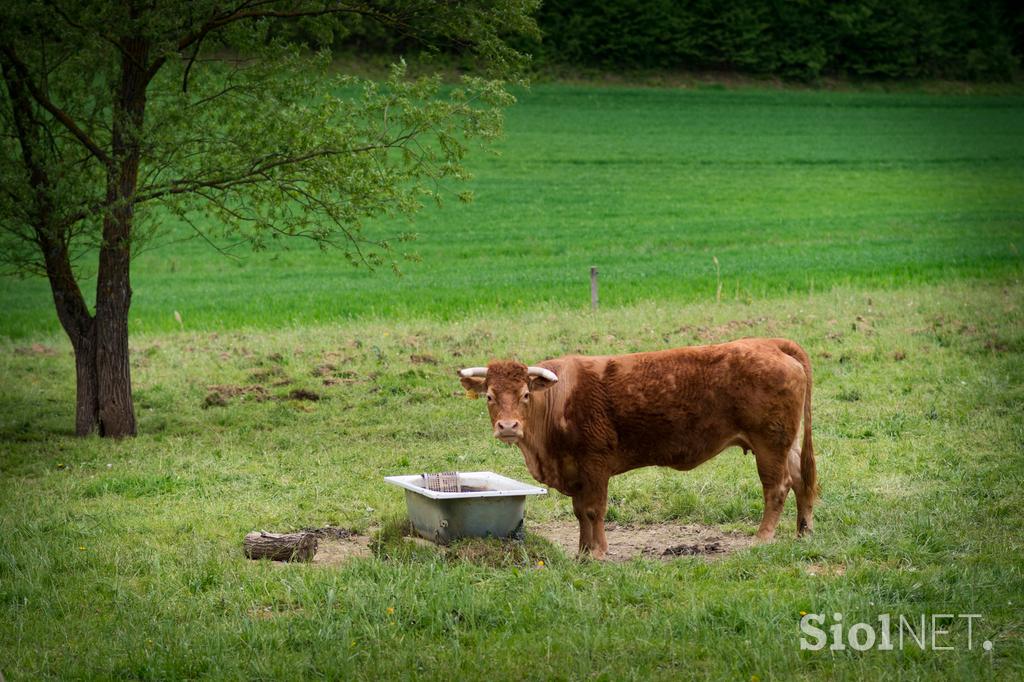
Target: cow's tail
[[808, 470]]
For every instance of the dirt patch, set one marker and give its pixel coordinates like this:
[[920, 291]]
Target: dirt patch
[[214, 399], [653, 541], [997, 345], [863, 325], [334, 375], [35, 349], [663, 541], [826, 570], [303, 394], [220, 394], [324, 370], [337, 545], [333, 546], [694, 550], [265, 374], [332, 381], [230, 391], [423, 359]]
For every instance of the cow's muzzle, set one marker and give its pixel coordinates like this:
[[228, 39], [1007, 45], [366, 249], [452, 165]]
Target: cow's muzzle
[[508, 431]]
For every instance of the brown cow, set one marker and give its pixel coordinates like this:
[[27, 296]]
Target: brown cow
[[581, 420]]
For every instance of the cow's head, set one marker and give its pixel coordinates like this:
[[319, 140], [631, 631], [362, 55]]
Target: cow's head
[[508, 387]]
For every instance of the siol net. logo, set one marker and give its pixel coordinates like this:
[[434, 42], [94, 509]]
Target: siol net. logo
[[935, 632]]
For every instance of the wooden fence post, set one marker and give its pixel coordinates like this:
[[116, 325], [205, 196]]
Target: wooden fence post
[[593, 287]]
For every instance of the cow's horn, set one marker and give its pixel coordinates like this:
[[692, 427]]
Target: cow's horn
[[473, 372], [540, 371]]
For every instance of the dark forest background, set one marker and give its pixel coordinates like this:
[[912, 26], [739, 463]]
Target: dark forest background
[[978, 40]]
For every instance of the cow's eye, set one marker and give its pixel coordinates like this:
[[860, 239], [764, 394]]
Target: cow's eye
[[526, 397], [490, 398]]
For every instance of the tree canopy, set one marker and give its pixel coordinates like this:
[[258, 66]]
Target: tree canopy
[[240, 122], [209, 108]]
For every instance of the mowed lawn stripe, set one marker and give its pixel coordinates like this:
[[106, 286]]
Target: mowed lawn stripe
[[790, 190]]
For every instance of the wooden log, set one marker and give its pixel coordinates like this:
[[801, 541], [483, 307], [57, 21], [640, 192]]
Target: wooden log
[[280, 546]]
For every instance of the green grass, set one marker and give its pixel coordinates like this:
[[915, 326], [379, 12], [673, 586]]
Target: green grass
[[790, 190], [882, 232], [122, 559]]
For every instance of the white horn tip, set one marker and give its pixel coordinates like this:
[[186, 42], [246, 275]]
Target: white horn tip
[[543, 372]]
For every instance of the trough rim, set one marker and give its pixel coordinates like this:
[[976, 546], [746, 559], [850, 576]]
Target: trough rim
[[517, 488]]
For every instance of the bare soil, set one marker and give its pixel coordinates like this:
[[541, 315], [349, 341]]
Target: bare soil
[[220, 394], [653, 541], [663, 541], [727, 330], [303, 394], [35, 349], [337, 549]]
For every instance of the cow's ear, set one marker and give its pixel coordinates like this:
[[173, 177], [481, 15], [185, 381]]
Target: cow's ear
[[475, 385], [539, 383]]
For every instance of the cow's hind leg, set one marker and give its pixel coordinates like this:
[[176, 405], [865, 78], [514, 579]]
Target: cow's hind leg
[[772, 468], [804, 501]]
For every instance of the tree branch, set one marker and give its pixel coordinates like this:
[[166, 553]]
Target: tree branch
[[85, 29], [210, 242], [257, 171], [249, 11], [59, 114], [51, 239], [188, 67]]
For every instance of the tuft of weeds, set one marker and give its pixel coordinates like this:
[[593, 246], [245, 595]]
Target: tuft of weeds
[[532, 552]]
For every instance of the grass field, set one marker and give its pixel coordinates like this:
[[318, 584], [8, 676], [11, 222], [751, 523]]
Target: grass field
[[122, 559], [789, 190]]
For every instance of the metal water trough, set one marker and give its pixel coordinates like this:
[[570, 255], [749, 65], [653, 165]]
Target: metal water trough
[[476, 504]]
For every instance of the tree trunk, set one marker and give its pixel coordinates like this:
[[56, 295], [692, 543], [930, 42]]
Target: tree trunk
[[113, 284], [52, 239], [113, 372], [79, 325], [81, 330], [102, 368], [87, 394]]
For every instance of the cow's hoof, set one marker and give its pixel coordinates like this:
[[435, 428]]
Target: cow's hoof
[[591, 555], [764, 539]]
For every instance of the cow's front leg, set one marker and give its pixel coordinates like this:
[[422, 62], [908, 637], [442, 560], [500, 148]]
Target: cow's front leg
[[590, 505], [586, 533]]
